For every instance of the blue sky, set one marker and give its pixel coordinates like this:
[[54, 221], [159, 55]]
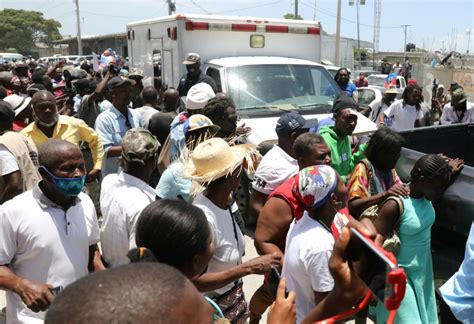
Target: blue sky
[[434, 23]]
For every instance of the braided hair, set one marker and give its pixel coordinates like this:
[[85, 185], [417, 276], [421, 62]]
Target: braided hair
[[336, 77], [216, 108], [409, 90], [430, 166]]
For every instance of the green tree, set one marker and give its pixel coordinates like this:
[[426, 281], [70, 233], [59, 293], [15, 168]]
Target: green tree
[[21, 29], [292, 16]]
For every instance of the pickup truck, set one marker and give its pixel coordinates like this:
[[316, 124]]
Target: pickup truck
[[455, 210]]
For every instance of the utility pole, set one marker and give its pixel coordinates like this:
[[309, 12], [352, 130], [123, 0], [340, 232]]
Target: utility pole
[[78, 19], [315, 3], [358, 35], [171, 7], [377, 14], [405, 42], [296, 9], [337, 58]]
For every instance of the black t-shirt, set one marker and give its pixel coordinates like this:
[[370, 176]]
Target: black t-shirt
[[186, 83], [159, 125]]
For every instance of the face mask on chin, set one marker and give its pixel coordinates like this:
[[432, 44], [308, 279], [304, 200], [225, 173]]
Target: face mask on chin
[[42, 123], [69, 187]]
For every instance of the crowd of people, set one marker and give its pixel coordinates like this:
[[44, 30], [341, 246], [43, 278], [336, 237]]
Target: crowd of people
[[410, 110], [100, 173]]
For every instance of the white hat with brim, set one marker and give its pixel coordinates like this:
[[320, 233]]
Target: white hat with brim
[[18, 103], [215, 158]]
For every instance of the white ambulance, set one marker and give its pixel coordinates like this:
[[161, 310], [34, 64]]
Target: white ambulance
[[268, 66]]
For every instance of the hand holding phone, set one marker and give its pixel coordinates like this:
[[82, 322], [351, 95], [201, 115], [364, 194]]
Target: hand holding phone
[[283, 310], [378, 269], [274, 281]]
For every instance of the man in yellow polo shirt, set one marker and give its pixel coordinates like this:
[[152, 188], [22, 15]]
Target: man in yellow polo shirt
[[49, 124]]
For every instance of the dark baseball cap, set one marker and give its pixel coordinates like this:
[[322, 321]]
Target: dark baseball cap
[[292, 121], [118, 81], [82, 84], [6, 111], [344, 102]]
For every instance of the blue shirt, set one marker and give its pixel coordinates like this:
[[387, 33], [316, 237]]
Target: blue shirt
[[329, 121], [173, 184], [458, 291], [111, 126], [350, 89], [177, 136]]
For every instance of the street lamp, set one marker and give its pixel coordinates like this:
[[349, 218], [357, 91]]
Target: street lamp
[[468, 32]]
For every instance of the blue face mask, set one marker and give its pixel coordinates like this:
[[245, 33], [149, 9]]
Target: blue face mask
[[69, 187]]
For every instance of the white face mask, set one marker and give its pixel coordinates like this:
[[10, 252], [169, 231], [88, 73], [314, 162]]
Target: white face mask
[[42, 123]]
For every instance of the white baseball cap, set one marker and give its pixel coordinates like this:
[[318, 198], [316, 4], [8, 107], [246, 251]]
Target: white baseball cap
[[18, 103], [199, 95]]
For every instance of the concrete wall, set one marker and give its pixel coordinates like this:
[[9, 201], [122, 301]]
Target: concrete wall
[[425, 75]]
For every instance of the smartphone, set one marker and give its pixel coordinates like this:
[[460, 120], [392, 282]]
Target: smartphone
[[373, 265], [274, 281], [56, 290]]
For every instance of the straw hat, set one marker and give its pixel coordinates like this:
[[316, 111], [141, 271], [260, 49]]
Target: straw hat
[[215, 158]]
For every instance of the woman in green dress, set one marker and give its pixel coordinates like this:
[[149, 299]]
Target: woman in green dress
[[430, 177]]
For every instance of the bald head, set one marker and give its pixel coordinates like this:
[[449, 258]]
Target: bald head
[[150, 95], [171, 99], [54, 152], [42, 95], [146, 292]]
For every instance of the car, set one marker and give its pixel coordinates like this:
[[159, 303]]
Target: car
[[355, 75], [368, 94], [381, 80], [80, 59], [9, 57]]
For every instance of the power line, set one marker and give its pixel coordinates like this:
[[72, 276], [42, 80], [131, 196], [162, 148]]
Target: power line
[[62, 14], [49, 7], [252, 7], [201, 8], [230, 10], [112, 16], [328, 13]]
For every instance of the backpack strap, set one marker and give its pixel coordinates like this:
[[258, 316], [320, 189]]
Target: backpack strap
[[370, 175], [400, 205]]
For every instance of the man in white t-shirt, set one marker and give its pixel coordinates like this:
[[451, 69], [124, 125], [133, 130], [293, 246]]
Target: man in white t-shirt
[[310, 241], [378, 106], [406, 113], [279, 164], [48, 235], [124, 195], [459, 110], [150, 104]]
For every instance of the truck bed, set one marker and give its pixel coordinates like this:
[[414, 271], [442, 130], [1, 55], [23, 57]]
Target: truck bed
[[455, 210], [452, 140]]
